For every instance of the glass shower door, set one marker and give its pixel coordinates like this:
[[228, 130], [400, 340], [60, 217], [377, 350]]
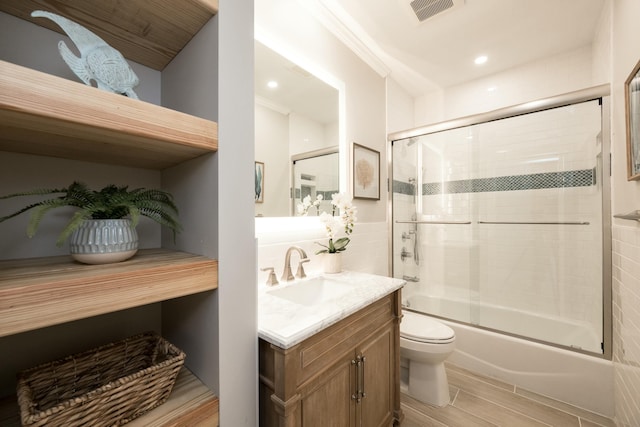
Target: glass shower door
[[434, 243], [499, 224]]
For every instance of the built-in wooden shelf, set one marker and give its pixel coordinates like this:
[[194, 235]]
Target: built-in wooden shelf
[[39, 292], [151, 33], [45, 115], [191, 404], [50, 116]]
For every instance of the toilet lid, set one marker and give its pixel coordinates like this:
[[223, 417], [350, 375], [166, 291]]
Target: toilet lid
[[421, 328]]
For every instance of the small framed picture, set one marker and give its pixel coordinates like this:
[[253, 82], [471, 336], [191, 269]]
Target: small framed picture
[[259, 176], [366, 173], [632, 107]]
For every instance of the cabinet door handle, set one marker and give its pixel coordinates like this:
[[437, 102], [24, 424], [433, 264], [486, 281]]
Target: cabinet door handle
[[356, 395], [359, 394], [362, 393]]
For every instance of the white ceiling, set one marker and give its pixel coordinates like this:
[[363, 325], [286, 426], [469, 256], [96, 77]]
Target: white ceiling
[[436, 53], [439, 52]]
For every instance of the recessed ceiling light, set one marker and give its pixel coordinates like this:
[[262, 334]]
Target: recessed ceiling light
[[481, 60], [272, 84]]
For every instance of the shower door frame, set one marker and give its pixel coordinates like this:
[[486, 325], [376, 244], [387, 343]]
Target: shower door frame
[[602, 93]]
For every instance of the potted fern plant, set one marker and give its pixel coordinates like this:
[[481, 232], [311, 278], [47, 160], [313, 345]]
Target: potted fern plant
[[103, 228]]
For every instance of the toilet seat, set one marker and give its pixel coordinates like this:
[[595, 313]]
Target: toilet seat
[[416, 327]]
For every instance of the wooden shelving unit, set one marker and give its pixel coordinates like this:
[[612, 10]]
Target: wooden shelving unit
[[40, 292], [49, 116]]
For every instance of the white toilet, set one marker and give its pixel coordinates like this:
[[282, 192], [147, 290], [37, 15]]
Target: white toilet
[[425, 344]]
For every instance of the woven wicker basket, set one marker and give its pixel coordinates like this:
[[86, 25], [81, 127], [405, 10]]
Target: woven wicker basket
[[106, 386]]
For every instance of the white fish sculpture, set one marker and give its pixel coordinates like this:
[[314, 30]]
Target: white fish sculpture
[[98, 61]]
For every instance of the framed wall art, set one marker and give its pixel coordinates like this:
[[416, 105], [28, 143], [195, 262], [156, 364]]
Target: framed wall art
[[259, 180], [632, 110], [366, 173]]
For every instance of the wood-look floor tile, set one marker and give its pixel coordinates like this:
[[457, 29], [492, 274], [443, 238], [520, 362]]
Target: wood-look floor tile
[[413, 418], [496, 414], [584, 415], [481, 401], [448, 415], [493, 381], [453, 392], [587, 423], [517, 403]]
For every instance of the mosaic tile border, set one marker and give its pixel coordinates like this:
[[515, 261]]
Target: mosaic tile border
[[400, 187], [537, 181]]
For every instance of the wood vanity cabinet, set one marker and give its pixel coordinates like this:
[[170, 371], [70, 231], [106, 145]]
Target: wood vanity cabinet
[[345, 375]]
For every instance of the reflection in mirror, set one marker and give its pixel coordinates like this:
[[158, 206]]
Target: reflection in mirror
[[315, 174], [296, 118]]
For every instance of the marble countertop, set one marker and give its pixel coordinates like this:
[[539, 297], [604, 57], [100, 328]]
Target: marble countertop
[[285, 323]]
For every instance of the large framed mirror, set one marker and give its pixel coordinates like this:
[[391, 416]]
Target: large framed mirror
[[298, 133]]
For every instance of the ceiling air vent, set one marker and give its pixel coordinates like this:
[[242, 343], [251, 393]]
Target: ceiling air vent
[[425, 9]]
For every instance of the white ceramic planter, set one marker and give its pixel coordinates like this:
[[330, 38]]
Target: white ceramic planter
[[103, 241], [332, 263]]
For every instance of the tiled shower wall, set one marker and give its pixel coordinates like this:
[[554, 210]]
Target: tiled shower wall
[[626, 323], [525, 169]]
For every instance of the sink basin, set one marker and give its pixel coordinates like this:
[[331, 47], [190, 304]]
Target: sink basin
[[313, 291]]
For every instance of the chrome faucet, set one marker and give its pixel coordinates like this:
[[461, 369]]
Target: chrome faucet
[[286, 274]]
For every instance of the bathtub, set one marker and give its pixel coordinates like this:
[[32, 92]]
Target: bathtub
[[579, 379], [557, 330]]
